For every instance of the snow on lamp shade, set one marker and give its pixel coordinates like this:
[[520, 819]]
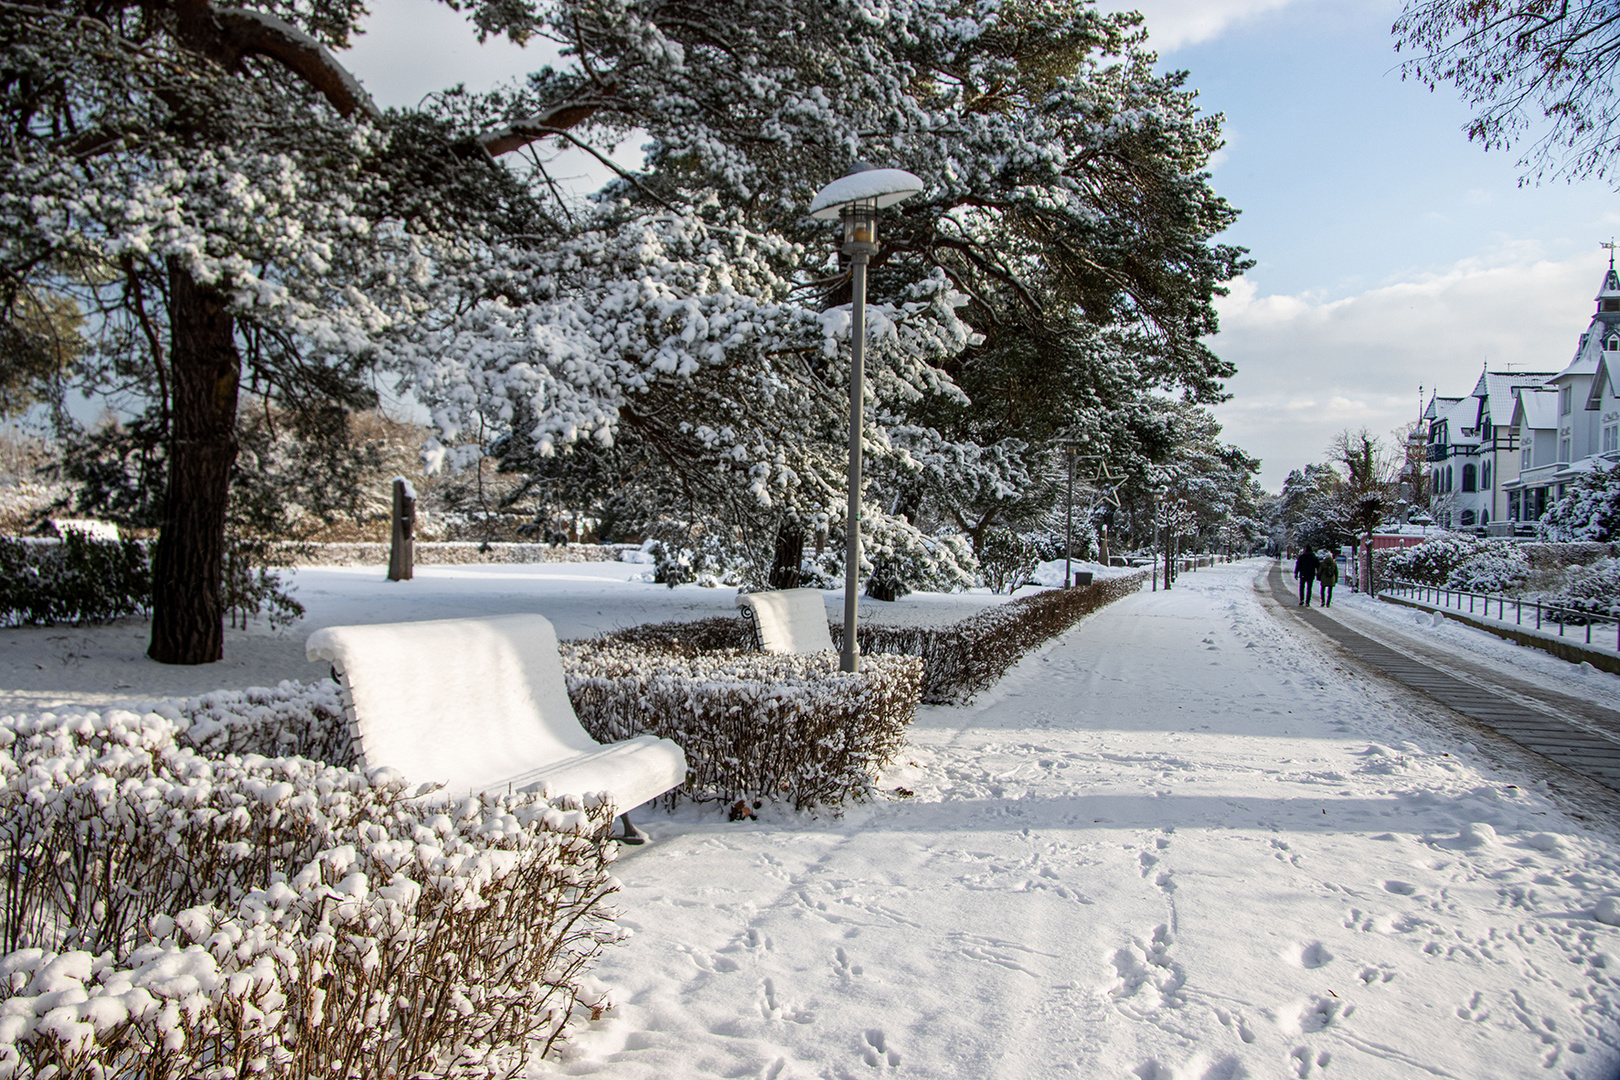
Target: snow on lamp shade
[[877, 187]]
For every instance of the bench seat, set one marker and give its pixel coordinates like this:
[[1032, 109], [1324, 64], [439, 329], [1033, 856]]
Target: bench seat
[[482, 705], [792, 621]]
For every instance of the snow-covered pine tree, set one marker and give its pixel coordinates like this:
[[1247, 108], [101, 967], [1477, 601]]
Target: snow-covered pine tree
[[695, 318], [222, 204]]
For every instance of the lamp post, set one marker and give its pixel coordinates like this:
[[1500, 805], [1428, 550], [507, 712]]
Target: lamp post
[[856, 199]]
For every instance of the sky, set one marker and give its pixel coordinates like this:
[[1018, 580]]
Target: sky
[[1390, 252]]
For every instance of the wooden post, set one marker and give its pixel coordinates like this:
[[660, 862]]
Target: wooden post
[[401, 552]]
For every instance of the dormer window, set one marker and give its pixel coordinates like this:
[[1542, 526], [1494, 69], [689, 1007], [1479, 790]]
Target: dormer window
[[1613, 344]]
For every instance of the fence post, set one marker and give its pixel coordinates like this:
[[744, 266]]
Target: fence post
[[401, 545]]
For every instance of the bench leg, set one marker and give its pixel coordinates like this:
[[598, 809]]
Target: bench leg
[[632, 835]]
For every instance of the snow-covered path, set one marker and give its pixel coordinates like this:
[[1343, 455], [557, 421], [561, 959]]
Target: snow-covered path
[[1176, 843]]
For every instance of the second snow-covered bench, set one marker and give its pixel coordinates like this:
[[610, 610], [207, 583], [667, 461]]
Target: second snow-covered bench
[[787, 620], [482, 705]]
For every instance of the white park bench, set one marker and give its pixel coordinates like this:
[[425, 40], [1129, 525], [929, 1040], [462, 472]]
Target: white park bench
[[787, 620], [482, 705]]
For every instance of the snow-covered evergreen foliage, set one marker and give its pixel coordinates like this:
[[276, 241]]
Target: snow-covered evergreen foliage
[[1496, 566], [74, 580], [1588, 510], [1594, 588], [1058, 261], [1429, 563]]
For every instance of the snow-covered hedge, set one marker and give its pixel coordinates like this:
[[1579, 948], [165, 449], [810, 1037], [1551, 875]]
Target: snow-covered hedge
[[77, 580], [754, 726], [1593, 589], [958, 660], [961, 659], [1428, 563], [1496, 566], [175, 914]]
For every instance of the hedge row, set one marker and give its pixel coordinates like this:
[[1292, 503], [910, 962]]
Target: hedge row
[[76, 580], [754, 726], [958, 660], [172, 914], [961, 659]]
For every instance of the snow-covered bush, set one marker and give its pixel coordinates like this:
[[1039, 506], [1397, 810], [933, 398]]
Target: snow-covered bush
[[961, 659], [175, 914], [1428, 563], [1594, 589], [290, 720], [76, 580], [1007, 560], [1588, 510], [754, 726], [1497, 566]]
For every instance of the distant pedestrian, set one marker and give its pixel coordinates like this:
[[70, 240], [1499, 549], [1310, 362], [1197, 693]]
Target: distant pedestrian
[[1327, 575], [1305, 570]]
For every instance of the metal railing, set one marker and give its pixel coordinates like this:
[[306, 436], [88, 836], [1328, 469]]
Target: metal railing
[[1480, 603]]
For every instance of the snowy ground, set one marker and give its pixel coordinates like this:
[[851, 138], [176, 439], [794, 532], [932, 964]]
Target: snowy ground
[[48, 667], [1179, 842]]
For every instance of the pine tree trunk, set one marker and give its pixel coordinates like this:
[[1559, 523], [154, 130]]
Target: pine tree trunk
[[188, 624], [786, 566]]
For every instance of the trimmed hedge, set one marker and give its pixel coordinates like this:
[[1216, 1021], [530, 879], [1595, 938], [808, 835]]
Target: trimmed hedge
[[958, 660], [174, 914], [754, 726], [961, 659], [75, 580]]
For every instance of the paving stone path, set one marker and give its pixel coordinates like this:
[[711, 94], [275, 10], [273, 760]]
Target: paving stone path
[[1578, 734]]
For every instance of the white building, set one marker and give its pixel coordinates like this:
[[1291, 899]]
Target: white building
[[1572, 423]]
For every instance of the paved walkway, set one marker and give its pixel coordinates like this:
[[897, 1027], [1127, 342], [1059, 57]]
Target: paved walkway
[[1574, 732]]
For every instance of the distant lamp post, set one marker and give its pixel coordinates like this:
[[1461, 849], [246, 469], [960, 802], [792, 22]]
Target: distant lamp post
[[856, 200]]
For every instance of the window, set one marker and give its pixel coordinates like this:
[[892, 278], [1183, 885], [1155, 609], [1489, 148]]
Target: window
[[1484, 517], [1610, 305], [1514, 506], [1527, 457], [1611, 438], [1563, 449], [1612, 344], [1467, 517], [1470, 482], [1450, 477], [1485, 477], [1565, 396]]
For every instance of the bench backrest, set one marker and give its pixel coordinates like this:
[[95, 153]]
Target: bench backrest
[[469, 702], [788, 620]]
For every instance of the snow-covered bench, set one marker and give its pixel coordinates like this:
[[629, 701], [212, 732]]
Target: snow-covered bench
[[482, 705], [787, 620]]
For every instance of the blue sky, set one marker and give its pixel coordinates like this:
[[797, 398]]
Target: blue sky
[[1390, 252]]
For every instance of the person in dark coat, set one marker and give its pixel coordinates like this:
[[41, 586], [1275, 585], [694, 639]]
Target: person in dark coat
[[1305, 570], [1327, 576]]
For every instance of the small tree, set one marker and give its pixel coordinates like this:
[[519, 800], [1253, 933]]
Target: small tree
[[1588, 510]]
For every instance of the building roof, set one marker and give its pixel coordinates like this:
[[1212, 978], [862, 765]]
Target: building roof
[[1536, 409], [1605, 324], [1498, 390], [1438, 406]]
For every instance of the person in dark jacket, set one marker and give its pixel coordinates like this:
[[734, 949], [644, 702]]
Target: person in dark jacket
[[1327, 576], [1305, 570]]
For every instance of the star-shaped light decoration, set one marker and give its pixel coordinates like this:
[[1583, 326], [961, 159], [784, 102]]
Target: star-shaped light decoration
[[1106, 483]]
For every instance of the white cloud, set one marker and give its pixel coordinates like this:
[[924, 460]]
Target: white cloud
[[1310, 366], [1174, 23]]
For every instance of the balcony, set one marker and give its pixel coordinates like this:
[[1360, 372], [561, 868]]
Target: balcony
[[1437, 451]]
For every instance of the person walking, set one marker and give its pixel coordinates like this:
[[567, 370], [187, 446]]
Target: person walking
[[1327, 575], [1305, 571]]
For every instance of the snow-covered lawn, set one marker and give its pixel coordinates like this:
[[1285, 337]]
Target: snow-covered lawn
[[1177, 842]]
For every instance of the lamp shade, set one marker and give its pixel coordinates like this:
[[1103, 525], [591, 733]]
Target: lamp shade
[[879, 187]]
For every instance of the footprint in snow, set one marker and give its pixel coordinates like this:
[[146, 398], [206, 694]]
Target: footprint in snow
[[1313, 956], [1401, 888], [878, 1052], [845, 968]]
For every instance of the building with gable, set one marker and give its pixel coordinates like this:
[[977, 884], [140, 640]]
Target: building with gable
[[1570, 424]]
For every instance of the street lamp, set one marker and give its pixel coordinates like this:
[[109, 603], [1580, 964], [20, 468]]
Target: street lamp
[[856, 199]]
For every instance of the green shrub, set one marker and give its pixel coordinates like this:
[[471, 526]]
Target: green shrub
[[74, 580]]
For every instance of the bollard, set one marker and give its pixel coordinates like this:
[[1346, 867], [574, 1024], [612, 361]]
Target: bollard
[[401, 546]]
